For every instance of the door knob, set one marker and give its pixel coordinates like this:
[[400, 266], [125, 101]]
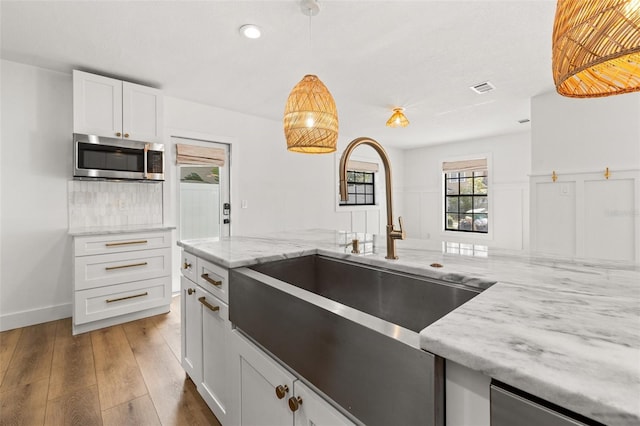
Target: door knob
[[118, 134], [126, 135], [281, 391], [190, 291], [295, 403], [186, 265]]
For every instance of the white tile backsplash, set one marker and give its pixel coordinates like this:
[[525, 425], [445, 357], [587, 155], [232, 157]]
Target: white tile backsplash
[[104, 203]]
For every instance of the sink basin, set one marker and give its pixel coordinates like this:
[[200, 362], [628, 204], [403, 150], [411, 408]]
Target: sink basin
[[408, 301], [351, 332]]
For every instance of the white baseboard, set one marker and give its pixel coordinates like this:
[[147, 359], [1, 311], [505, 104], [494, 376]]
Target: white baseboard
[[35, 316]]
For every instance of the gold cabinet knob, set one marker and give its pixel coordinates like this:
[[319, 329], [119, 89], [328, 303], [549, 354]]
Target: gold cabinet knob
[[118, 134], [295, 403], [281, 391], [190, 291], [186, 265], [126, 135]]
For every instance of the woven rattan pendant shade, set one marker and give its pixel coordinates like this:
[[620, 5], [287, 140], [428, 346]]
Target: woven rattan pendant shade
[[311, 118], [596, 47]]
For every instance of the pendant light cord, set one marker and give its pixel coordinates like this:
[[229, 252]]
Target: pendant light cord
[[310, 40]]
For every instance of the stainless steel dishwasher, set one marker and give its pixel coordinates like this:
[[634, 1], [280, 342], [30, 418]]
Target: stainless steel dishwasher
[[510, 407]]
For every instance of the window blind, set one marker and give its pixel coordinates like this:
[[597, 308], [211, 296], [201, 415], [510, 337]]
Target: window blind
[[193, 154], [475, 165], [362, 166]]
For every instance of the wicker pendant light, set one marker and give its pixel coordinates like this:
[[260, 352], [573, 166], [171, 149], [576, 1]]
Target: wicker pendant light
[[310, 115], [398, 119], [596, 47], [311, 118]]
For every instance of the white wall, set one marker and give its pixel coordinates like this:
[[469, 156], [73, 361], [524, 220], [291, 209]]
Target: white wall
[[509, 165], [35, 268], [283, 190], [584, 135], [583, 213]]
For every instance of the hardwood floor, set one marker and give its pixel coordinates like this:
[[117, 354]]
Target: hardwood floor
[[128, 374]]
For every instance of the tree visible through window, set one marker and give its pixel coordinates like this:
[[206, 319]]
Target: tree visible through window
[[466, 202], [360, 189]]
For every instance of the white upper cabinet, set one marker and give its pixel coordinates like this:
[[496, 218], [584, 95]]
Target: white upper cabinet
[[118, 109], [97, 105], [142, 112]]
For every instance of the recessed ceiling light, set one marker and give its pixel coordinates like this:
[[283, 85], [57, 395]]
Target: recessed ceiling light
[[250, 31]]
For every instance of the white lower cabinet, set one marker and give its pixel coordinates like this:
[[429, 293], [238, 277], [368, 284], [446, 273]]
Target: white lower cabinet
[[269, 395], [205, 334], [120, 277], [191, 330], [264, 389], [314, 410], [216, 353], [241, 384]]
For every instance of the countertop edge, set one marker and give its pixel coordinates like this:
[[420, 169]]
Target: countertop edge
[[106, 230]]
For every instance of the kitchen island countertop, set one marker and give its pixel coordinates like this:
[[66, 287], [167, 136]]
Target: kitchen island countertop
[[564, 330]]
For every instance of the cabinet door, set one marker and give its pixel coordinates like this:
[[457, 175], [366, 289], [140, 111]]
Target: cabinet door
[[260, 377], [314, 410], [216, 327], [97, 105], [142, 112], [191, 330]]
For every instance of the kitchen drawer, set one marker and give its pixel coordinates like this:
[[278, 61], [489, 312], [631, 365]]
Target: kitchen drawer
[[188, 266], [210, 302], [214, 279], [108, 269], [116, 243], [106, 302]]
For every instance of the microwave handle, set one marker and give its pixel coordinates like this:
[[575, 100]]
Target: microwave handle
[[146, 154]]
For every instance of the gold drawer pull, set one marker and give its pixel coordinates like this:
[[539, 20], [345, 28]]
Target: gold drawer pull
[[111, 268], [203, 300], [211, 280], [126, 243], [127, 297]]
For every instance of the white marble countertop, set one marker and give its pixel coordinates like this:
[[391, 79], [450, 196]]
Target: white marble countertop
[[121, 229], [565, 330]]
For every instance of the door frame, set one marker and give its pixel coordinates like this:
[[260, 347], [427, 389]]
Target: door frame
[[170, 190]]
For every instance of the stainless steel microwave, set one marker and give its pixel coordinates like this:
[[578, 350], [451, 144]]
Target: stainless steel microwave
[[110, 158]]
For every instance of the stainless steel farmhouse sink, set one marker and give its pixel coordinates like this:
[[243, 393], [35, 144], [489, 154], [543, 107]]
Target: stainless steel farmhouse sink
[[351, 331]]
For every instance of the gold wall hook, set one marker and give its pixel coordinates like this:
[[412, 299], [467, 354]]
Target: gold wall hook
[[554, 176], [606, 173]]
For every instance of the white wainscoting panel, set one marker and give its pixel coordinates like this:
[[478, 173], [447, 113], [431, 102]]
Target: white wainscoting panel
[[608, 219], [586, 215], [555, 217]]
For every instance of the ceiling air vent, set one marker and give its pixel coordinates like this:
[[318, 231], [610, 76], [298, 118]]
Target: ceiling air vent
[[481, 88]]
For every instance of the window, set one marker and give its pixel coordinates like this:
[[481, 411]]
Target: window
[[361, 183], [466, 202], [360, 188]]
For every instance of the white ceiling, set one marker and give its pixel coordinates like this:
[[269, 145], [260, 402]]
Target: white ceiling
[[372, 55]]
